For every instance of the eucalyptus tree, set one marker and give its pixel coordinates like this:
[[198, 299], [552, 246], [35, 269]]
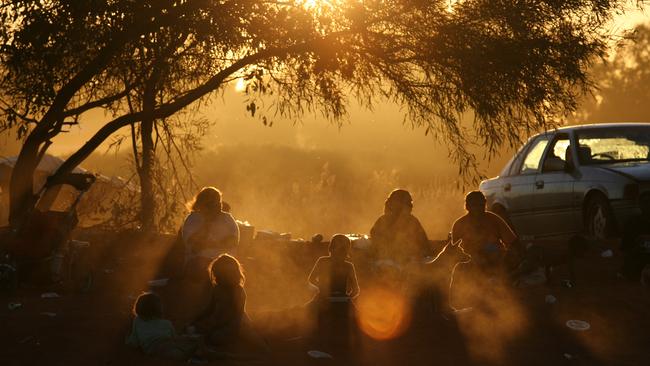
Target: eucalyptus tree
[[514, 66]]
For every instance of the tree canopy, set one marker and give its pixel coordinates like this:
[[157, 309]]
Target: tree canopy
[[622, 83], [515, 67]]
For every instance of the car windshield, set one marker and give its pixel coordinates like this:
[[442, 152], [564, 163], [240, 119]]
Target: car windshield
[[613, 145]]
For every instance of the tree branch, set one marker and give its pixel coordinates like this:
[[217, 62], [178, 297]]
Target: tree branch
[[101, 60], [98, 103]]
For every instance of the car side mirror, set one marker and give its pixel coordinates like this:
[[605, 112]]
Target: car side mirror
[[554, 164]]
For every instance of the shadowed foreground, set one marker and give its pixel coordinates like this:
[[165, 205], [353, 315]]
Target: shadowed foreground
[[517, 328]]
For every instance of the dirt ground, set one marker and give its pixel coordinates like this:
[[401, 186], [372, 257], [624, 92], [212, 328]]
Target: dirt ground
[[515, 327]]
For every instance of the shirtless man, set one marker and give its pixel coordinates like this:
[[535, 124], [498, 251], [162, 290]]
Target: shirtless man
[[485, 236]]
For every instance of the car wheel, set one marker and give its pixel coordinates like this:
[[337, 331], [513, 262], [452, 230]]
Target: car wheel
[[598, 218]]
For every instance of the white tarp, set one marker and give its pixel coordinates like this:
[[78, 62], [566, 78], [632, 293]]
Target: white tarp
[[105, 189]]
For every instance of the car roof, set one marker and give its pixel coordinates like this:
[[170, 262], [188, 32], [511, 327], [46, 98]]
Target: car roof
[[599, 125], [594, 125]]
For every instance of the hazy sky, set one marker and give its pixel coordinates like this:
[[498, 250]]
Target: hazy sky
[[261, 168], [378, 130]]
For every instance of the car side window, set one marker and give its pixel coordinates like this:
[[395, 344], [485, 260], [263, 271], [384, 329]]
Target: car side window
[[558, 154], [514, 165], [513, 169], [534, 156]]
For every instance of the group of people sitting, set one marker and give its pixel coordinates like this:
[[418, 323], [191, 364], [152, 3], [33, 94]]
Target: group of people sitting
[[210, 236], [220, 321]]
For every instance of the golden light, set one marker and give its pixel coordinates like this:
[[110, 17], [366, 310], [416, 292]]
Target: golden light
[[383, 313], [451, 5], [310, 4], [316, 5], [240, 85]]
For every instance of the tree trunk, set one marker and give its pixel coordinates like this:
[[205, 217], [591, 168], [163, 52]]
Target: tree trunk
[[147, 197], [21, 186]]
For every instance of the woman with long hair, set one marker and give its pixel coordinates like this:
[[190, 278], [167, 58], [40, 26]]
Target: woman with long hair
[[397, 235], [224, 322], [208, 231]]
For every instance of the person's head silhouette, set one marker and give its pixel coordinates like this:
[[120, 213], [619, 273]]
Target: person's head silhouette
[[398, 201], [475, 202]]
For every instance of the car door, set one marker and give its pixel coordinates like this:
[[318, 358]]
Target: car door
[[553, 191], [519, 187]]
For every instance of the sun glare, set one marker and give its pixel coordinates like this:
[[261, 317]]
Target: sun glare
[[310, 4], [240, 85], [450, 5]]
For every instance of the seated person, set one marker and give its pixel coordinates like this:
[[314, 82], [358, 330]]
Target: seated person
[[636, 242], [156, 336], [397, 235], [334, 275], [336, 280], [485, 236], [208, 231], [223, 322]]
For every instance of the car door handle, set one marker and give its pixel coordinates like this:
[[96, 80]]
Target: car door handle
[[539, 184], [507, 187]]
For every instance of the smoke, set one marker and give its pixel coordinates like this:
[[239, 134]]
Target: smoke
[[306, 192], [495, 318]]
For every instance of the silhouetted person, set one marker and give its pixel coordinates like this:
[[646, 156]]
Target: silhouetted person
[[224, 321], [208, 231], [397, 235], [334, 275], [336, 279], [636, 241], [156, 336], [484, 235]]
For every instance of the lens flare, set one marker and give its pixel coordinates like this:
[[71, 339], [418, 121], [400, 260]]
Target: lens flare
[[383, 313]]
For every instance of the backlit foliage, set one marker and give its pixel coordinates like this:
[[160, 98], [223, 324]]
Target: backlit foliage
[[515, 66]]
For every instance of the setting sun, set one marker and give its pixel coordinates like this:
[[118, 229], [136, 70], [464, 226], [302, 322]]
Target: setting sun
[[310, 4], [240, 85]]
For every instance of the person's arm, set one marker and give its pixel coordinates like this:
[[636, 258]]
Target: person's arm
[[231, 240], [353, 283], [241, 305], [207, 311], [374, 231], [507, 236], [192, 232], [171, 331], [377, 236], [456, 232], [132, 338], [422, 240], [315, 273]]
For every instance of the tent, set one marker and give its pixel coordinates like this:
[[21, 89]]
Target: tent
[[104, 189]]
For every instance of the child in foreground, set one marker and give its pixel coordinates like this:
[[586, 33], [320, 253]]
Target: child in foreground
[[156, 336], [224, 321]]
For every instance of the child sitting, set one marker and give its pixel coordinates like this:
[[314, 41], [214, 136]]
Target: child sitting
[[155, 335], [334, 275], [224, 321], [336, 280]]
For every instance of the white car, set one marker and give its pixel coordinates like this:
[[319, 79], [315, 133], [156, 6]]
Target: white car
[[579, 179]]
